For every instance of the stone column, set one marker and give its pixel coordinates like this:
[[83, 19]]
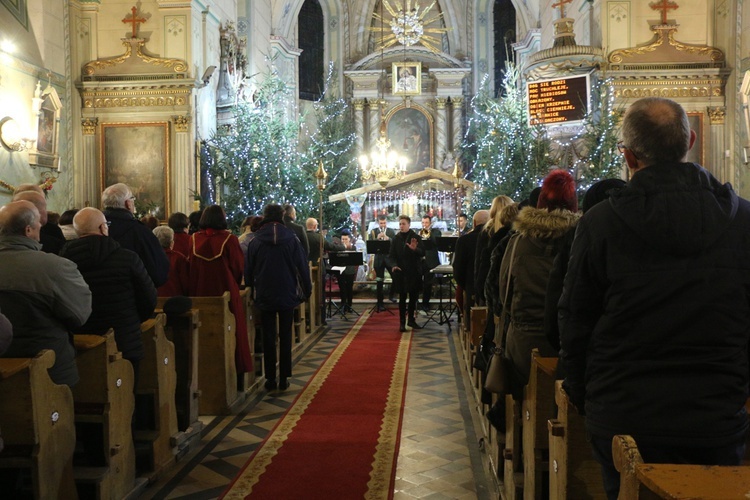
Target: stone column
[[359, 123], [441, 135], [374, 122], [182, 176], [89, 189], [717, 162], [457, 129]]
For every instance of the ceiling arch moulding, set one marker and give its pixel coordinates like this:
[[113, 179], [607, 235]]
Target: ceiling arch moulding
[[450, 18], [413, 53]]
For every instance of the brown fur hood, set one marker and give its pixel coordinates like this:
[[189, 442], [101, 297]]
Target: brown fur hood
[[539, 223]]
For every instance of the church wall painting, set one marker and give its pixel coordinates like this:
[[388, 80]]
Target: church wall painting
[[407, 78], [137, 154], [410, 133]]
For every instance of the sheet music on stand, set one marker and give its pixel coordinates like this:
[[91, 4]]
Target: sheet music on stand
[[442, 269], [338, 269]]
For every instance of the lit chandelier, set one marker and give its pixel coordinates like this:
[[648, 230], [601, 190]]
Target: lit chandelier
[[409, 26], [383, 164]]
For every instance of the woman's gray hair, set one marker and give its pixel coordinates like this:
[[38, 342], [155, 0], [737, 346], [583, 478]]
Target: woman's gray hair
[[116, 195], [656, 130], [165, 235]]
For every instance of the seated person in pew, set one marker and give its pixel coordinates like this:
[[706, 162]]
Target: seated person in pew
[[217, 266], [123, 294], [6, 333], [179, 270], [654, 313], [43, 295]]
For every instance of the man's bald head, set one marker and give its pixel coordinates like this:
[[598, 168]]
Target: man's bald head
[[39, 201], [90, 221], [20, 218], [481, 217], [311, 224]]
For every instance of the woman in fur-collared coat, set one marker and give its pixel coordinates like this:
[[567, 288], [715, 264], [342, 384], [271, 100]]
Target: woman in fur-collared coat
[[525, 270]]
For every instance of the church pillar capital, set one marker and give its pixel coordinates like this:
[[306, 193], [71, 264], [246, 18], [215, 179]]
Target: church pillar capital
[[717, 115], [440, 102], [88, 125], [181, 123]]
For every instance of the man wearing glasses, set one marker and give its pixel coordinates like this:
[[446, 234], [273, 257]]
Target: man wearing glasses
[[655, 312], [118, 203]]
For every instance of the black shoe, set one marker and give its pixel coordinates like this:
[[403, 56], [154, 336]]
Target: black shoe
[[393, 299], [380, 307], [270, 385], [414, 325], [403, 329], [283, 384], [324, 323]]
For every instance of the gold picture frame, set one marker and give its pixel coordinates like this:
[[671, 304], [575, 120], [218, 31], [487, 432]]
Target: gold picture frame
[[410, 130], [137, 154], [406, 78], [46, 151]]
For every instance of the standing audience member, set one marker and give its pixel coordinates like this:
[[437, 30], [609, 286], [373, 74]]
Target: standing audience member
[[316, 259], [431, 259], [123, 295], [290, 216], [405, 259], [463, 262], [43, 295], [599, 191], [276, 265], [525, 269], [494, 231], [50, 235], [178, 282], [194, 220], [178, 223], [150, 222], [6, 333], [119, 206], [249, 226], [216, 266], [66, 224], [346, 278], [379, 262], [654, 313]]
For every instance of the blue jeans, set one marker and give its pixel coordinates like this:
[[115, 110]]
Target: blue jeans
[[602, 449]]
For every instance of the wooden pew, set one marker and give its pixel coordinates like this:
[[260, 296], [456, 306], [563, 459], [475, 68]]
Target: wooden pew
[[250, 380], [183, 331], [513, 465], [104, 404], [217, 377], [573, 472], [37, 419], [157, 382], [538, 406], [640, 480]]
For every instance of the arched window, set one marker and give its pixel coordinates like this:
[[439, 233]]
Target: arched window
[[310, 26], [504, 17]]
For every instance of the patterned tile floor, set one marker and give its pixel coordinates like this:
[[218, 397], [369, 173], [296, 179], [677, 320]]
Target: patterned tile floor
[[439, 456]]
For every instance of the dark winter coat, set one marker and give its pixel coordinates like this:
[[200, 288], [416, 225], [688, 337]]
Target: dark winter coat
[[410, 261], [655, 312], [485, 246], [123, 295], [537, 238], [464, 262], [275, 258], [133, 235], [300, 232], [45, 298]]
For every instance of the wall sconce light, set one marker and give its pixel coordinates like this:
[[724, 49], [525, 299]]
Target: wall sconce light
[[11, 137]]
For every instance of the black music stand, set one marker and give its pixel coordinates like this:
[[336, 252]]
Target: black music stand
[[383, 248], [446, 244], [342, 259]]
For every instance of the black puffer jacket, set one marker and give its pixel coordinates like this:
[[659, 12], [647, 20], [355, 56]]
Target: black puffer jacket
[[655, 313], [123, 295]]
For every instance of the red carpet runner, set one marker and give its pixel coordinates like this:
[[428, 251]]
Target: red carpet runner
[[340, 438]]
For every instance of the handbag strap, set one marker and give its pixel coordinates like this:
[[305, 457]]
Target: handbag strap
[[506, 306]]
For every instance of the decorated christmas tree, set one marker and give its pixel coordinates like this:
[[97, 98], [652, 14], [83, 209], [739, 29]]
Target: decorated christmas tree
[[504, 154], [333, 141], [255, 160]]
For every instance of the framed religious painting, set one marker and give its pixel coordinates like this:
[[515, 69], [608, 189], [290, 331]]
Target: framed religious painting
[[45, 153], [137, 154], [406, 78], [696, 153], [410, 131]]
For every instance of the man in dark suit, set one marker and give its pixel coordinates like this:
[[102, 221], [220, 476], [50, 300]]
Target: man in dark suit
[[379, 262], [405, 258], [290, 216], [463, 260], [431, 259]]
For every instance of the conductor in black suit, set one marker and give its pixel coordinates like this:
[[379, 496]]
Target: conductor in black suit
[[405, 259], [379, 261]]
